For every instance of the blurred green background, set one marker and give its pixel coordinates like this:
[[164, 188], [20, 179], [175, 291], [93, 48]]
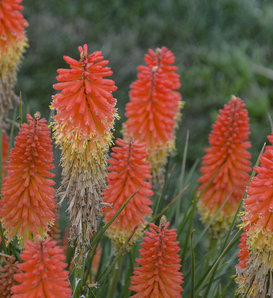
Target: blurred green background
[[222, 47]]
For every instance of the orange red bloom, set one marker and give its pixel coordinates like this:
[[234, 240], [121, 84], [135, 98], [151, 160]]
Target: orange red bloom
[[128, 171], [257, 273], [154, 106], [44, 273], [27, 205], [12, 24], [259, 200], [226, 166], [12, 44], [82, 128], [159, 274], [85, 106]]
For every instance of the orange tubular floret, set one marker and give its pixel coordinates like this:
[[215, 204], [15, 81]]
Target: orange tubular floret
[[159, 274], [154, 104], [28, 204], [255, 280], [128, 171], [12, 23], [227, 160], [243, 254], [259, 200], [85, 105], [44, 272], [12, 45]]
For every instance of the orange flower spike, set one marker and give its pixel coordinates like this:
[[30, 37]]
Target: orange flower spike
[[228, 160], [128, 171], [27, 205], [259, 200], [154, 106], [85, 105], [258, 217], [44, 273], [159, 274], [82, 128], [12, 23], [12, 45], [5, 149]]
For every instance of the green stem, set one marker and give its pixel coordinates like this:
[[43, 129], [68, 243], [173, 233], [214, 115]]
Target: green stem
[[211, 251], [115, 278], [20, 110], [182, 174]]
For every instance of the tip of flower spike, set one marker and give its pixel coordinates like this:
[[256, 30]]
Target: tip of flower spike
[[163, 221], [83, 51], [158, 51], [37, 115]]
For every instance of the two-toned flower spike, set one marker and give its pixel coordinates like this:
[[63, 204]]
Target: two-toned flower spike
[[129, 172], [256, 277], [27, 205], [153, 110], [82, 128], [12, 45], [225, 167]]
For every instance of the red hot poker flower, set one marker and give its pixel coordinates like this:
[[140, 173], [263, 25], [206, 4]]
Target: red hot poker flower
[[159, 274], [257, 273], [128, 171], [12, 24], [28, 204], [12, 44], [154, 105], [227, 160], [85, 117], [44, 273], [85, 105], [259, 200]]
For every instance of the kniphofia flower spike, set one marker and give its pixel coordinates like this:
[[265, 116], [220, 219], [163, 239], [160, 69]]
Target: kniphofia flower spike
[[128, 172], [82, 128], [27, 205], [154, 106], [12, 44], [159, 274], [44, 273], [258, 217], [226, 166]]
